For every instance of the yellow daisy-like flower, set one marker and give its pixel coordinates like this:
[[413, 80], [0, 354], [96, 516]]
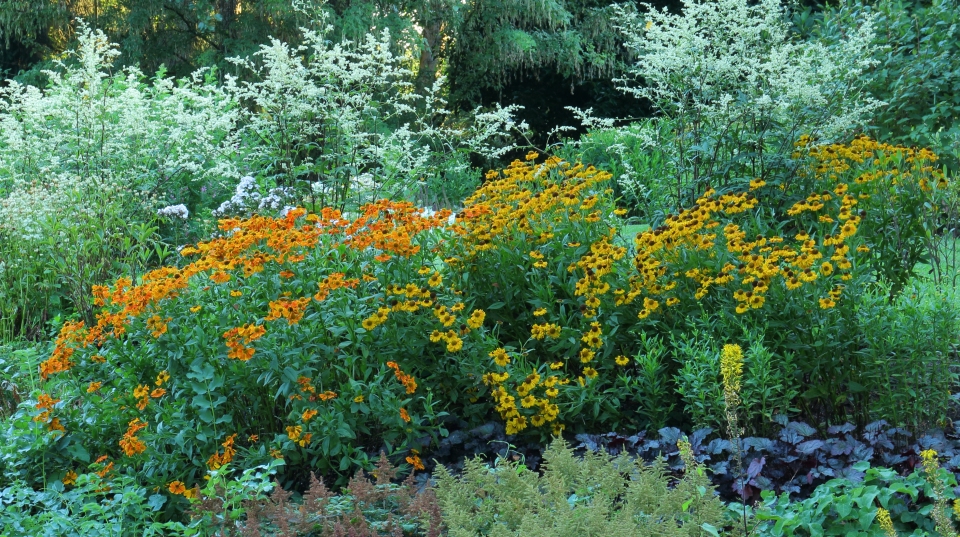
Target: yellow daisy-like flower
[[589, 372], [358, 399], [621, 360], [556, 365], [540, 312], [454, 344], [436, 336], [500, 357], [476, 319], [827, 303], [551, 392], [528, 401], [586, 355]]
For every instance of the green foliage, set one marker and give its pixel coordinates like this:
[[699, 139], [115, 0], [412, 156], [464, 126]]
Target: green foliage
[[642, 171], [94, 505], [908, 355], [589, 496], [916, 55], [849, 507]]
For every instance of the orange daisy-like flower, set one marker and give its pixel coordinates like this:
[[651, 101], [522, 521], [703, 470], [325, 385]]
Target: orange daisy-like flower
[[404, 416]]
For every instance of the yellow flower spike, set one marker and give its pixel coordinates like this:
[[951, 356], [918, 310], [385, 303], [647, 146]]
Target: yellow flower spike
[[731, 367]]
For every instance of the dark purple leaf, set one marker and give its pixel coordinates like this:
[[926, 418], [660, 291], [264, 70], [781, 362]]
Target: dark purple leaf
[[809, 446], [801, 428], [756, 465]]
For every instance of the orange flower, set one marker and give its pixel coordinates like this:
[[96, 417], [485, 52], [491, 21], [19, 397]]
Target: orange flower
[[177, 487], [415, 462], [309, 414], [404, 415], [94, 386]]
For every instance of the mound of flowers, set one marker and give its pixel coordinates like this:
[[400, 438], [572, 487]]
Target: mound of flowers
[[322, 340]]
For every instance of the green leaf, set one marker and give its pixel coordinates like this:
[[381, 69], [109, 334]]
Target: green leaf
[[156, 501]]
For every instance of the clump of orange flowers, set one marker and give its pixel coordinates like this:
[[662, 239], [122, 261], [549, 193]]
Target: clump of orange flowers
[[130, 444], [219, 459], [238, 339]]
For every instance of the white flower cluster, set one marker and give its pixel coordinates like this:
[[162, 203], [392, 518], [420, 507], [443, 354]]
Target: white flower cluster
[[345, 118], [116, 135], [174, 211], [733, 81], [247, 200]]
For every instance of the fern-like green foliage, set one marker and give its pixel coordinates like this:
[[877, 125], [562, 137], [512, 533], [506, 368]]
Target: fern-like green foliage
[[577, 497]]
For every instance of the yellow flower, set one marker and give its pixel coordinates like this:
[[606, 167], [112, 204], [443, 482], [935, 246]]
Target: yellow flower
[[358, 399], [556, 365], [589, 372], [70, 478], [826, 268], [500, 357], [454, 344], [827, 303], [586, 355], [886, 524], [622, 360], [436, 336], [476, 319], [540, 312]]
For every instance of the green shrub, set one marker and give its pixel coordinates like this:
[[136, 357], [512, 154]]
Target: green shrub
[[589, 496], [85, 164], [852, 506], [89, 504], [737, 89], [916, 56]]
